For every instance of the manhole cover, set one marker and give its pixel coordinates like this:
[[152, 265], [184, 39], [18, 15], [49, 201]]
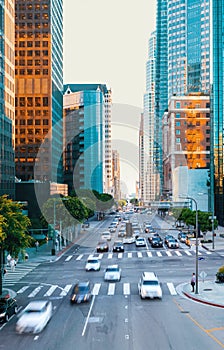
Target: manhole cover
[[207, 289], [184, 312]]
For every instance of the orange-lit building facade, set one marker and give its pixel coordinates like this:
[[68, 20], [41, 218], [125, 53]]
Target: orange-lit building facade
[[186, 135], [39, 89]]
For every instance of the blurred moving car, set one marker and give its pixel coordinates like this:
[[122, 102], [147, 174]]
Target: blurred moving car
[[93, 264], [167, 238], [112, 273], [106, 235], [102, 246], [81, 293], [149, 286], [151, 236], [140, 242], [112, 228], [34, 317], [157, 242], [118, 246], [8, 307], [129, 240], [182, 237], [172, 243]]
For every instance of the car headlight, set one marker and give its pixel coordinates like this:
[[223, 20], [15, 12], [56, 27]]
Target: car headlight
[[3, 314]]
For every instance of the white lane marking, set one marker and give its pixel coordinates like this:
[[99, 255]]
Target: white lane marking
[[69, 258], [88, 316], [149, 254], [168, 253], [79, 257], [110, 255], [36, 337], [120, 255], [50, 291], [96, 289], [66, 290], [208, 252], [35, 291], [126, 288], [129, 255], [111, 289], [171, 288], [199, 253], [139, 254], [21, 290], [178, 253], [159, 254], [90, 256], [100, 256], [187, 252]]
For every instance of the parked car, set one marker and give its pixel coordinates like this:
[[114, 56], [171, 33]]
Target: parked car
[[118, 246], [106, 235], [182, 237], [140, 242], [8, 307], [157, 242], [35, 317], [112, 273], [93, 264], [173, 243], [102, 246], [149, 286], [81, 293]]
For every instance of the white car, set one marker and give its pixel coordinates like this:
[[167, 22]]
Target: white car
[[140, 242], [93, 264], [34, 317], [106, 235], [128, 240], [149, 286], [112, 273]]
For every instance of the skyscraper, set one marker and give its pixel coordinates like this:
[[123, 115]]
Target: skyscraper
[[218, 111], [39, 89], [7, 98]]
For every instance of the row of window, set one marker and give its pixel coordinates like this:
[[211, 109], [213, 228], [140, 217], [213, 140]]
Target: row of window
[[25, 7], [31, 113], [31, 101], [23, 53], [31, 122], [38, 71], [29, 15], [33, 43], [42, 62]]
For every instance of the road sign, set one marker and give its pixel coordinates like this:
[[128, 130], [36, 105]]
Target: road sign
[[203, 275]]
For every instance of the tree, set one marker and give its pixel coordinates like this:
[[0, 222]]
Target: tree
[[122, 203], [134, 201]]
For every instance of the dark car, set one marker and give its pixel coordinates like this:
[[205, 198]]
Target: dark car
[[167, 238], [81, 293], [150, 238], [102, 246], [8, 307], [182, 237], [157, 242], [118, 246]]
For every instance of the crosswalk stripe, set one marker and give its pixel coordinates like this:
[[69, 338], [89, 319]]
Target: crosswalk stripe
[[120, 255], [208, 252], [149, 254], [79, 257], [68, 258], [21, 290], [187, 252], [199, 253], [35, 292], [159, 254], [168, 253], [96, 289], [139, 254], [66, 290], [100, 256], [110, 255], [50, 291], [111, 289], [129, 255], [171, 288], [126, 288], [178, 253]]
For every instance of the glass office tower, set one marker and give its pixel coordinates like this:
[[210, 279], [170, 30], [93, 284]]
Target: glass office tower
[[7, 99], [39, 90], [218, 109]]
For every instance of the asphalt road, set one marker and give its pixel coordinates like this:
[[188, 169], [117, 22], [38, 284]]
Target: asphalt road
[[116, 318]]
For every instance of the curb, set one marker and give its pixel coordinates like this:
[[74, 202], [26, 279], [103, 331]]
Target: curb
[[201, 300]]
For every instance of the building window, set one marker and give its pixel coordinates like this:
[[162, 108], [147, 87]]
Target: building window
[[177, 104], [37, 122], [177, 123], [45, 101], [29, 121], [29, 102], [177, 132], [45, 43], [177, 140], [22, 101], [177, 115], [45, 122]]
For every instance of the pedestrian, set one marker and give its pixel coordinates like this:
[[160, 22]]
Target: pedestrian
[[12, 264], [193, 280], [37, 245], [8, 259], [26, 256]]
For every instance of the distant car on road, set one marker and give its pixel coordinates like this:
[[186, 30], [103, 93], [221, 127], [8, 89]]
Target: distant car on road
[[118, 246], [112, 273], [81, 293], [157, 242], [167, 238], [35, 317], [173, 243], [140, 242], [93, 264], [129, 240], [149, 286], [102, 246], [122, 233], [106, 235], [182, 237]]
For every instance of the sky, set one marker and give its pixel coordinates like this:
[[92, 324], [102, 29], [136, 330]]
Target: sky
[[107, 42]]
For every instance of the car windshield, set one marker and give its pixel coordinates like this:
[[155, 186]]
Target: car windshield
[[92, 261], [140, 239], [150, 283], [112, 269], [81, 289]]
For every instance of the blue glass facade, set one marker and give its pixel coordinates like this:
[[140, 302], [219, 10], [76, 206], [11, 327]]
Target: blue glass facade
[[218, 109]]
